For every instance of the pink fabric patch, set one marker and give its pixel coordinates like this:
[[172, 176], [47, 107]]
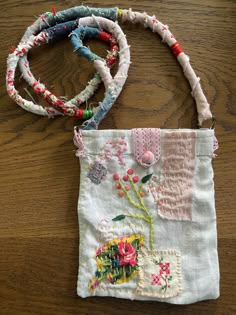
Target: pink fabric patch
[[178, 163], [146, 145]]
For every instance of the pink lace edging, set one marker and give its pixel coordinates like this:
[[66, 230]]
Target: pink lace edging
[[78, 142], [146, 145]]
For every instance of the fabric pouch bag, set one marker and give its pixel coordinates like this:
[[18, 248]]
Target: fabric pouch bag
[[146, 210]]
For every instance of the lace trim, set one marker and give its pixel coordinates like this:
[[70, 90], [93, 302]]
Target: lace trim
[[146, 145], [78, 142]]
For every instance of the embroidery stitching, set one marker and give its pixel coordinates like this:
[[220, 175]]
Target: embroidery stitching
[[159, 273], [113, 149], [117, 261], [131, 187], [97, 173], [154, 187], [177, 171]]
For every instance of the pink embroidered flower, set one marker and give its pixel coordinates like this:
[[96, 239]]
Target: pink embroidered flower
[[99, 250], [130, 171], [118, 186], [115, 176], [127, 254], [125, 178], [127, 187], [165, 268], [135, 179], [121, 194], [156, 279], [109, 277]]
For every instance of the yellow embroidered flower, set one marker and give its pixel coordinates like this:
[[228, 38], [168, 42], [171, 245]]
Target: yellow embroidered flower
[[93, 284], [99, 264]]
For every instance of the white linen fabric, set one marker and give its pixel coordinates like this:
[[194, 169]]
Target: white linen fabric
[[147, 225]]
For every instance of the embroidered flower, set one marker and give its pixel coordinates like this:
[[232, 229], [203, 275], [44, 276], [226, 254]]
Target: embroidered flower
[[113, 150], [115, 176], [153, 280], [130, 171], [135, 179], [94, 283], [116, 261], [163, 277], [156, 279], [132, 187], [127, 254], [99, 264], [100, 250], [165, 268]]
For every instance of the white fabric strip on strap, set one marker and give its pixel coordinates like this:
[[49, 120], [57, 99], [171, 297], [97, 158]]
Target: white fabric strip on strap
[[203, 108], [115, 85]]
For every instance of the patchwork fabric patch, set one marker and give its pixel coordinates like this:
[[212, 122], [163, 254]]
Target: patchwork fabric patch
[[97, 172], [178, 164], [159, 273], [116, 261]]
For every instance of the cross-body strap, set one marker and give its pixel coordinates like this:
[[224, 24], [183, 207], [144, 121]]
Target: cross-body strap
[[203, 108]]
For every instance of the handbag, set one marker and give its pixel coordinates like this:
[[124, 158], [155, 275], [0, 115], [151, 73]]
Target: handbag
[[146, 208]]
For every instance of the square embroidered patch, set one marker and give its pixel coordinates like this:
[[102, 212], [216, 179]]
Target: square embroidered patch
[[159, 273], [97, 173]]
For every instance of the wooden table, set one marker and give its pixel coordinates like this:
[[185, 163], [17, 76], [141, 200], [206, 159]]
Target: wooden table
[[40, 174]]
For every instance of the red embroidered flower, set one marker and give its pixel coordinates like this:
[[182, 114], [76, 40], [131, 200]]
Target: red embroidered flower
[[156, 279], [100, 250], [165, 268], [127, 254]]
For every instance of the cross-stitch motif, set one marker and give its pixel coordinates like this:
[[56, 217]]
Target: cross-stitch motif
[[159, 273]]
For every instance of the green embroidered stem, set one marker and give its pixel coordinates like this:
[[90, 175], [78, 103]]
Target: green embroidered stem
[[165, 286], [140, 188], [137, 216], [140, 206], [129, 197], [143, 207], [151, 233]]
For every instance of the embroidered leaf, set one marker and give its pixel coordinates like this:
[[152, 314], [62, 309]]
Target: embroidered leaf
[[146, 178], [119, 217], [135, 243]]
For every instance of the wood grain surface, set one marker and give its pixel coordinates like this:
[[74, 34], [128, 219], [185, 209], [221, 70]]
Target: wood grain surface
[[39, 182]]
